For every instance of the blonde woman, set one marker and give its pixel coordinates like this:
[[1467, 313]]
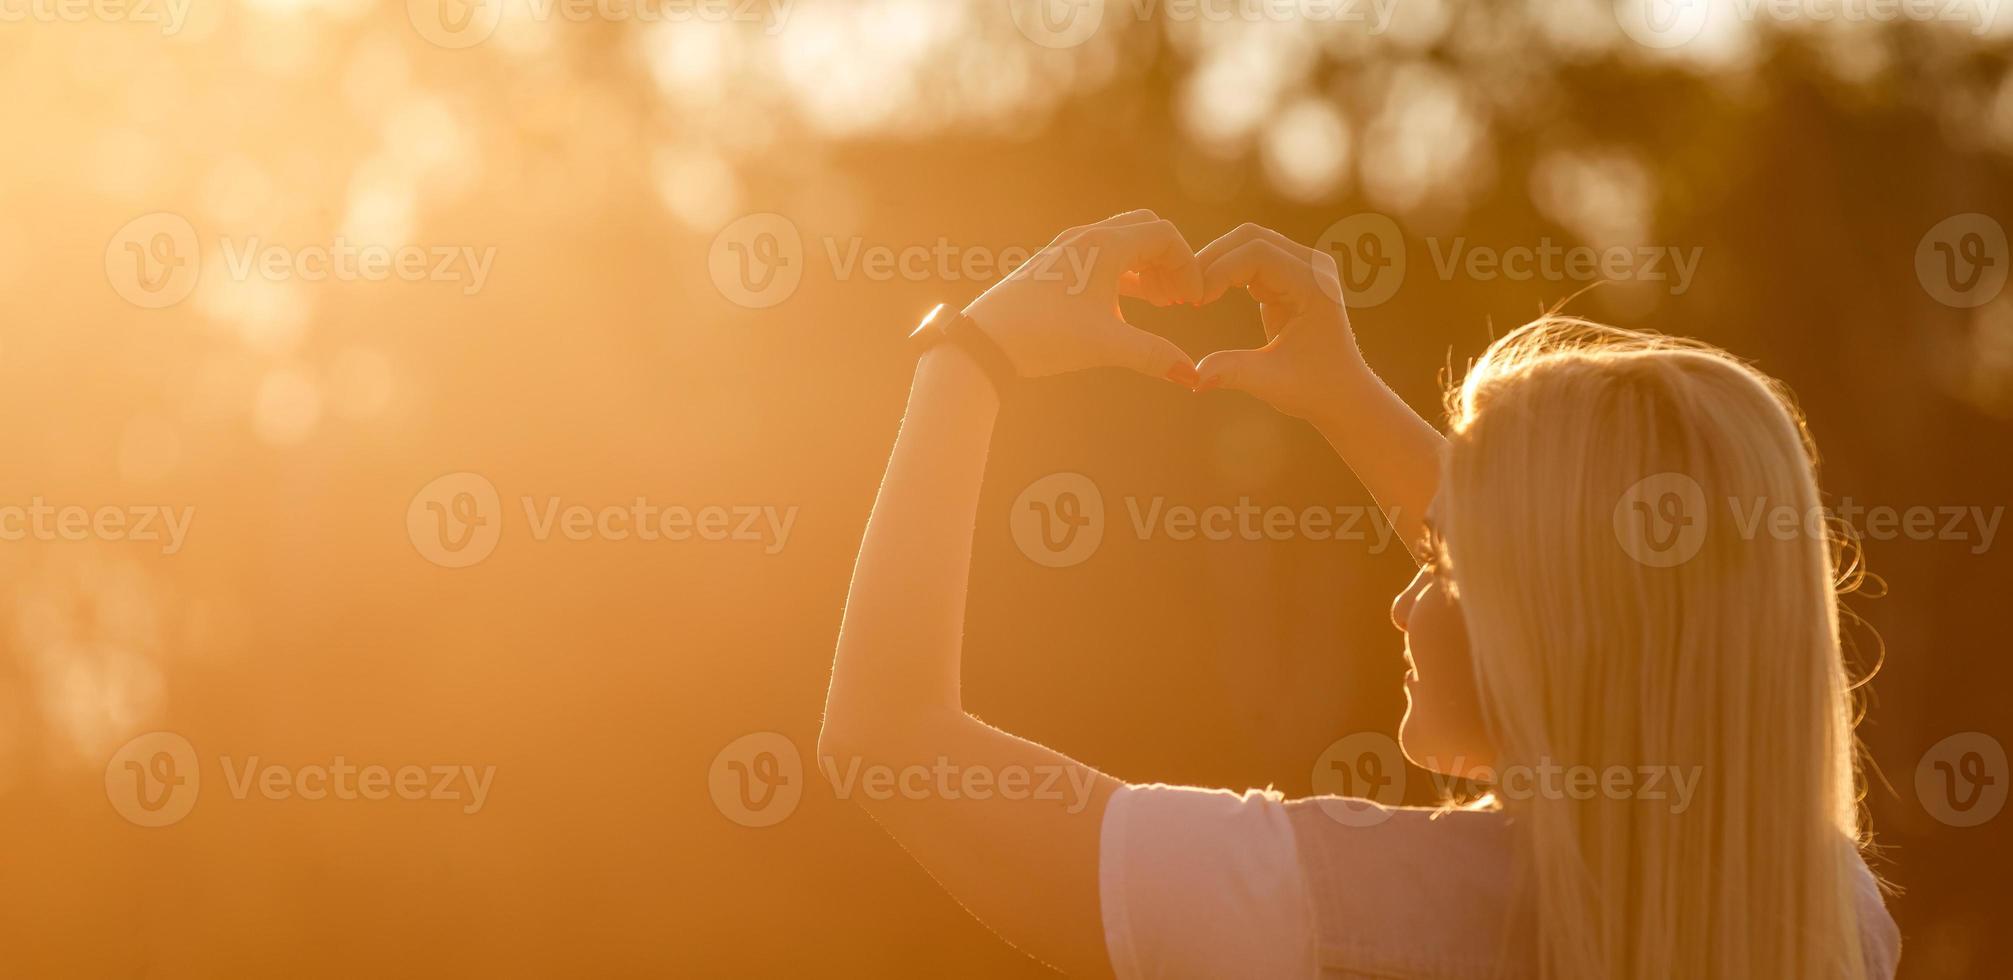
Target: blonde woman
[[1565, 619]]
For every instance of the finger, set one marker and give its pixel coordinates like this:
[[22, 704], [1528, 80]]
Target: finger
[[1328, 275], [1133, 284], [1133, 217], [1150, 354], [1128, 218], [1270, 273], [1237, 370], [1154, 249], [1247, 233], [1152, 286]]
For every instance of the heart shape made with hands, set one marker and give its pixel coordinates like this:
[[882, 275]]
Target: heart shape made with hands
[[1049, 327]]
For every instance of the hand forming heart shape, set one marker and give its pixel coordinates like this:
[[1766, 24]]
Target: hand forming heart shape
[[1049, 324]]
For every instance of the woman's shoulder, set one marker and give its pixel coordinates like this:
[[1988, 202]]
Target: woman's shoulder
[[1240, 880], [1197, 882], [1428, 891], [1200, 882], [1366, 836]]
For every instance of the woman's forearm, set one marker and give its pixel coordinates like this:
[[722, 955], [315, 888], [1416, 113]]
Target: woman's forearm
[[894, 701], [898, 647], [1389, 447]]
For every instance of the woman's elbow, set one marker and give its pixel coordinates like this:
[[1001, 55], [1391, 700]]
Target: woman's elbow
[[880, 737], [835, 737]]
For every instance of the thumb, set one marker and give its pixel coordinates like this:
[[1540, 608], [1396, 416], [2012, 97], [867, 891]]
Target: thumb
[[1238, 370], [1149, 354]]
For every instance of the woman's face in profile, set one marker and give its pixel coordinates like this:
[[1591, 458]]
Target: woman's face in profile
[[1442, 730]]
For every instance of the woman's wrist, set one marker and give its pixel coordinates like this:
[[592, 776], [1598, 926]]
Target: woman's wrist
[[950, 383], [1346, 389]]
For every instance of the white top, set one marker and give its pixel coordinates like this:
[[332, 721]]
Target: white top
[[1210, 883]]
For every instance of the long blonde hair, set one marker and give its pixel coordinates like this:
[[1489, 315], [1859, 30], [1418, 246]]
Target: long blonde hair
[[1599, 506]]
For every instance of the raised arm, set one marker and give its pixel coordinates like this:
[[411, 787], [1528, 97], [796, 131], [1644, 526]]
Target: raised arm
[[1008, 827], [1311, 368]]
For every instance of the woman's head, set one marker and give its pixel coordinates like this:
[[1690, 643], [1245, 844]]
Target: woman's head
[[1633, 574]]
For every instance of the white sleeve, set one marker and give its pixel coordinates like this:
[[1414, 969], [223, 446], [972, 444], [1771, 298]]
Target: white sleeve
[[1203, 883], [1879, 938]]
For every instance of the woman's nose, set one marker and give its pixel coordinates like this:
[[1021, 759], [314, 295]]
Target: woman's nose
[[1401, 607]]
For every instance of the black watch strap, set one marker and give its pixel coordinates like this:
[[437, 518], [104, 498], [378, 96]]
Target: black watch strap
[[946, 326]]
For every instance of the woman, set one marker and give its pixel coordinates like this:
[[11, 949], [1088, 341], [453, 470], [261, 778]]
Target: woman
[[1579, 606]]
